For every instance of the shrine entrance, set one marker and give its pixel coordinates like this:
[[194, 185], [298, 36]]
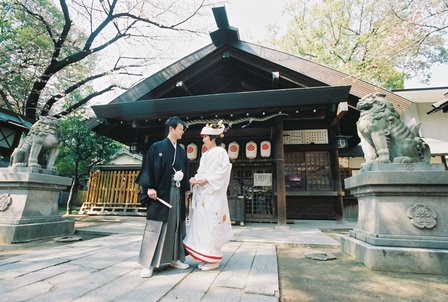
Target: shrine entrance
[[251, 195]]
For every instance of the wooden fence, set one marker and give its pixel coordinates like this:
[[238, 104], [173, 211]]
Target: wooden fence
[[112, 192]]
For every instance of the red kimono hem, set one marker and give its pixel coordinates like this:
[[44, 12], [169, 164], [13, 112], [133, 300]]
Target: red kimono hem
[[202, 257]]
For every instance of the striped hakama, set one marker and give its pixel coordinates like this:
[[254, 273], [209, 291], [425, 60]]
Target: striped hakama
[[162, 241]]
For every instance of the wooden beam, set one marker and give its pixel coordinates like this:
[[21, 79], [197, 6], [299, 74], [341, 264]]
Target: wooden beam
[[342, 109], [183, 86], [275, 79], [280, 167], [212, 103]]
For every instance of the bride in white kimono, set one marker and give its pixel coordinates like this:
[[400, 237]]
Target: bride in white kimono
[[210, 226]]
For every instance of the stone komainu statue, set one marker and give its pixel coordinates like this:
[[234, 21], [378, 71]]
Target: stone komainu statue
[[42, 141], [384, 138]]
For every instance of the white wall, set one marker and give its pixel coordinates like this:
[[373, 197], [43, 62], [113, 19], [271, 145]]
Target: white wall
[[125, 159], [433, 125]]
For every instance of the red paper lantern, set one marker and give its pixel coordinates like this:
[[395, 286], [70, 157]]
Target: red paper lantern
[[192, 151], [265, 149], [234, 149], [251, 150]]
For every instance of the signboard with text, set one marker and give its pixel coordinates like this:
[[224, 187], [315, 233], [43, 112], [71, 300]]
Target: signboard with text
[[262, 179]]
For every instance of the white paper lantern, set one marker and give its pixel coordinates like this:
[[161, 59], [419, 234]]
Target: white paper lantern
[[204, 149], [234, 149], [251, 150], [265, 149], [192, 151]]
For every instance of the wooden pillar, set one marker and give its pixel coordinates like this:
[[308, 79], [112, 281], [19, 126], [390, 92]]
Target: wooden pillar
[[339, 205], [280, 167]]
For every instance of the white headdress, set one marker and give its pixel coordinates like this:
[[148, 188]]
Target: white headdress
[[210, 130]]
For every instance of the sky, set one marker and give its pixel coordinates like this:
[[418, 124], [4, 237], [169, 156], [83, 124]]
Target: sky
[[253, 25], [252, 16]]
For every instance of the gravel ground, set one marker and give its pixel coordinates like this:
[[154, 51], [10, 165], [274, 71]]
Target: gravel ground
[[344, 279]]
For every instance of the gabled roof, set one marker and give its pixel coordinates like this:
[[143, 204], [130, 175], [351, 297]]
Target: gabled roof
[[270, 100], [293, 71], [227, 55], [230, 67]]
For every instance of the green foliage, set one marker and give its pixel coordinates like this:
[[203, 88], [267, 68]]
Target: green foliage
[[26, 49], [379, 41], [82, 148]]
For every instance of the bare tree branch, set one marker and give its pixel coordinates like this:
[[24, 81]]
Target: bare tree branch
[[55, 98], [4, 97], [85, 100], [40, 18], [111, 18], [66, 29]]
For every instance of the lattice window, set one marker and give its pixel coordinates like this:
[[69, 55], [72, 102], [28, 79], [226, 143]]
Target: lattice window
[[295, 171], [308, 171], [258, 200]]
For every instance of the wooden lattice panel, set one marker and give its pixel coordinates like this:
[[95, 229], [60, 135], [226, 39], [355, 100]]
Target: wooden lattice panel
[[112, 192], [308, 136]]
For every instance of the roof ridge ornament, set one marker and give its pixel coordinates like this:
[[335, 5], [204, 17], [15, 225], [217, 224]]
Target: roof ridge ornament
[[225, 33]]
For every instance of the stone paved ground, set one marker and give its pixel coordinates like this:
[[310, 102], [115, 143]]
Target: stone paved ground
[[265, 263], [105, 269]]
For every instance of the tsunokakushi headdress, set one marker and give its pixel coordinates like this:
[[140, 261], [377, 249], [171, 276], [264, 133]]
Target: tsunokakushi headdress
[[217, 129]]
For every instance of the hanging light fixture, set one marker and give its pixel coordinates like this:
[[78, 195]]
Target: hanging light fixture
[[341, 141]]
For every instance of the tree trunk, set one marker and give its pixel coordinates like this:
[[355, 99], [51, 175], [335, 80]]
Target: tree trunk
[[73, 190]]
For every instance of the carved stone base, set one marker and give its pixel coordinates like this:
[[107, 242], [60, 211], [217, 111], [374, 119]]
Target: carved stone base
[[397, 259], [403, 212], [29, 205], [15, 233]]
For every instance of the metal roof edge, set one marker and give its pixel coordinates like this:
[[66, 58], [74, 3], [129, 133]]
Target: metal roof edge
[[148, 84], [360, 88]]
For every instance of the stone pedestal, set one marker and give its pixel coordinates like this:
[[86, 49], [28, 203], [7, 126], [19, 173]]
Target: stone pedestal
[[29, 205], [403, 218]]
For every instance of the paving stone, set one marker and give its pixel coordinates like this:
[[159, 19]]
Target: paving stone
[[68, 286], [193, 287], [237, 269], [28, 292], [258, 298], [117, 287], [106, 269], [222, 294], [154, 288], [17, 269], [263, 276], [33, 277]]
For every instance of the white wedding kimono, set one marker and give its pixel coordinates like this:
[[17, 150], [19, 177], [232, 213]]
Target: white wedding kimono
[[210, 226]]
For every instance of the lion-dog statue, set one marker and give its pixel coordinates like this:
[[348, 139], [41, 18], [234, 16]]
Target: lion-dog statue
[[42, 142], [384, 138]]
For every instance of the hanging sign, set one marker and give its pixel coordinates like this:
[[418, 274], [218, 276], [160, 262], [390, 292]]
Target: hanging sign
[[233, 150], [251, 150], [192, 151], [265, 149]]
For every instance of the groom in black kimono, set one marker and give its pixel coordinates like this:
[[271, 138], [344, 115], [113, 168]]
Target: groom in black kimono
[[164, 176]]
